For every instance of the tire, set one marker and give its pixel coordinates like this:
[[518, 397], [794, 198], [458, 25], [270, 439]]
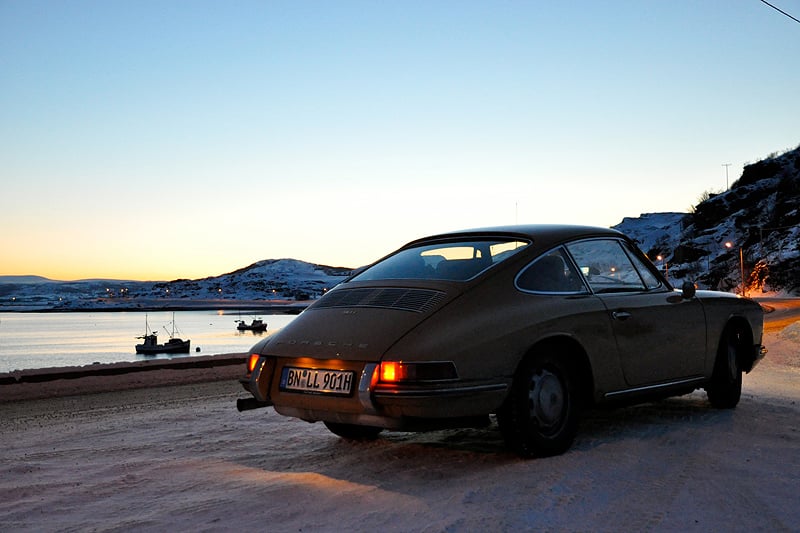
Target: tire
[[540, 416], [725, 388], [353, 432]]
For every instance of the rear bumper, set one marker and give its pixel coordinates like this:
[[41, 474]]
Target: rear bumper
[[450, 402], [377, 404], [401, 409]]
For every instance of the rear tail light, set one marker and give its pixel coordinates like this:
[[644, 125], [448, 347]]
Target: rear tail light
[[252, 362], [398, 371]]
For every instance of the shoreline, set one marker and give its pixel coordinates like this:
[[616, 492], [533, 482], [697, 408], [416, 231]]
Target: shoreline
[[286, 307], [36, 384], [48, 382]]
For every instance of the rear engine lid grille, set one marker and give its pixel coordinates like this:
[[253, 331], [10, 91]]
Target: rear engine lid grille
[[416, 300]]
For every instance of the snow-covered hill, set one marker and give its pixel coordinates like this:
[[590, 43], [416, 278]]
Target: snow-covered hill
[[270, 280], [759, 216]]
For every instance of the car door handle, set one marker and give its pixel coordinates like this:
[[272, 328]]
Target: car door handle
[[621, 315]]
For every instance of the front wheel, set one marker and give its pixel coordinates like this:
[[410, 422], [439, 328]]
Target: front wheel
[[725, 388], [353, 431], [540, 417]]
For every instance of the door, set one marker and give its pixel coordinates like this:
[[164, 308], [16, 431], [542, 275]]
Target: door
[[660, 336]]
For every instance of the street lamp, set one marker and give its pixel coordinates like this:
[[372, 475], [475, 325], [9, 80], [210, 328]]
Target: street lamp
[[664, 266], [729, 244]]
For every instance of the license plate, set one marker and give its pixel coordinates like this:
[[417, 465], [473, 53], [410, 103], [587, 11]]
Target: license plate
[[338, 382]]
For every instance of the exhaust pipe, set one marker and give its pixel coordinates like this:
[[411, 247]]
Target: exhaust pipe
[[247, 404]]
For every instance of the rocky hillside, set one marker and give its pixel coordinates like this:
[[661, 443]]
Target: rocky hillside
[[755, 225]]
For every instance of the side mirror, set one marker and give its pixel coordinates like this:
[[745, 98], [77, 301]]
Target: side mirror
[[688, 290]]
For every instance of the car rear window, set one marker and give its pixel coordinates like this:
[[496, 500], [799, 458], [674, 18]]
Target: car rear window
[[451, 260]]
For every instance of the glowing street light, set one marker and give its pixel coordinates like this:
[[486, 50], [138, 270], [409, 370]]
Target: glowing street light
[[664, 265], [729, 244]]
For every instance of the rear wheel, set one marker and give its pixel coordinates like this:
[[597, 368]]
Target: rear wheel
[[353, 431], [540, 417], [725, 388]]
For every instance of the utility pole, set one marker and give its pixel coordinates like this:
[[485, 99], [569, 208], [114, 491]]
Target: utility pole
[[726, 165], [729, 245], [741, 265]]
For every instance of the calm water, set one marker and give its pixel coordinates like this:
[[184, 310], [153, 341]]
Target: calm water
[[43, 340]]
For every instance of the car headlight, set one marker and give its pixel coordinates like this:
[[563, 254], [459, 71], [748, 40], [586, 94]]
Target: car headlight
[[399, 371]]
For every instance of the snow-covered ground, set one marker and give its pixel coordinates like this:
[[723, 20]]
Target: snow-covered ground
[[182, 458]]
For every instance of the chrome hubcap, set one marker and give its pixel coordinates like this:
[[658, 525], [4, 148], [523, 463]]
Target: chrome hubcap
[[546, 399]]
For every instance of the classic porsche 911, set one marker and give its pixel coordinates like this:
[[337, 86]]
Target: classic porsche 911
[[529, 323]]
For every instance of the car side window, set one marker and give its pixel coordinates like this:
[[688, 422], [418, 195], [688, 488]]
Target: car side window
[[650, 279], [606, 266], [553, 273]]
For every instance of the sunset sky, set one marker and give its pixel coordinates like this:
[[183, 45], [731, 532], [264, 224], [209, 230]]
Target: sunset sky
[[157, 140]]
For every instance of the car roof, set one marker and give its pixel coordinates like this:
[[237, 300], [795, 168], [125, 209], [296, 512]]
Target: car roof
[[542, 235]]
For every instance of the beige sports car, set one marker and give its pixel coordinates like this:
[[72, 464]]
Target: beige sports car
[[529, 323]]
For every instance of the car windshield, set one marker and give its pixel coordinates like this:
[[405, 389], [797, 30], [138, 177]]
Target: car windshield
[[451, 260]]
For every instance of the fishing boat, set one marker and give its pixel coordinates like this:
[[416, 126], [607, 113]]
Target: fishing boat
[[256, 325], [151, 345]]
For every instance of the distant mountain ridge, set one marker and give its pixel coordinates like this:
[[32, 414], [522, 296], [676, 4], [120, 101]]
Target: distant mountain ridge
[[268, 280], [759, 214], [24, 279]]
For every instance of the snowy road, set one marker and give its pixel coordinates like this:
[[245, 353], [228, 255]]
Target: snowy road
[[183, 458], [780, 312]]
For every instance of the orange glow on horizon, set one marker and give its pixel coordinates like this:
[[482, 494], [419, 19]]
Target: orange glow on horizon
[[92, 269]]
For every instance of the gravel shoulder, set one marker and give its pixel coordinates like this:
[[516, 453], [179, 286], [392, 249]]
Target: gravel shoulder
[[181, 457]]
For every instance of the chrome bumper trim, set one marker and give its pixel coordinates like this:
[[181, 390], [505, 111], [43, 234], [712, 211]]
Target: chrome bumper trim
[[655, 387], [439, 393], [365, 388], [759, 351], [254, 389]]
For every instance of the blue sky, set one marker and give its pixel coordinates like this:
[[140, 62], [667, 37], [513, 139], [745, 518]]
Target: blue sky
[[159, 140]]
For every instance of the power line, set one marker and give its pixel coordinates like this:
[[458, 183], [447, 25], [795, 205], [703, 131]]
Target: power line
[[780, 11]]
